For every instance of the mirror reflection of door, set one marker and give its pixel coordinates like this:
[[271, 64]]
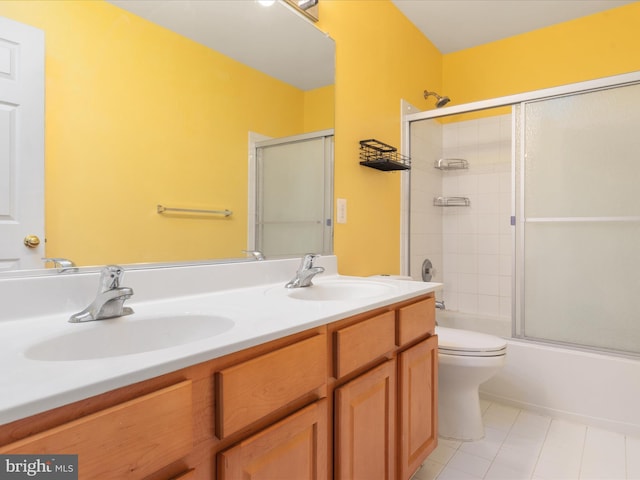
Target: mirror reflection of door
[[294, 193], [21, 146]]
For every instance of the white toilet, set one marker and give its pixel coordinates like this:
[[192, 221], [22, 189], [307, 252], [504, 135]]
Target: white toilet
[[466, 359]]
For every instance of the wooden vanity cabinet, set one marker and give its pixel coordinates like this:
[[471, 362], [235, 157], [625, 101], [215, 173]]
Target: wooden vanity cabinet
[[385, 391], [173, 426], [355, 399]]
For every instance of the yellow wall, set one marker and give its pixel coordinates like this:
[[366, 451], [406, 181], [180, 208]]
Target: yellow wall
[[319, 111], [380, 58], [595, 46], [137, 115]]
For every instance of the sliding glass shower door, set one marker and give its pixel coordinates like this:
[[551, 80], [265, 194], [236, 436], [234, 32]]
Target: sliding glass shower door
[[294, 195], [578, 219]]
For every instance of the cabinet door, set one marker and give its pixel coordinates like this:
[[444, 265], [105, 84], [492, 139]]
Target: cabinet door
[[292, 449], [366, 424], [418, 388]]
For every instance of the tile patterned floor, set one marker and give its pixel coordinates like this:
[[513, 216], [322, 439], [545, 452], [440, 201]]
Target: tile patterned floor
[[520, 445]]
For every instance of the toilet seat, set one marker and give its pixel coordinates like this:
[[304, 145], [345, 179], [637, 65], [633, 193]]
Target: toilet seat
[[453, 341]]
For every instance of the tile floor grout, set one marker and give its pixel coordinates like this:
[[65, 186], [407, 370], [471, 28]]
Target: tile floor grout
[[522, 445]]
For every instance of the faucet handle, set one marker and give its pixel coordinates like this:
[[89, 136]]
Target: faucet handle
[[307, 260], [110, 277]]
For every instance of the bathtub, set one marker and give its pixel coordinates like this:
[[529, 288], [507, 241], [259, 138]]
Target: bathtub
[[591, 388]]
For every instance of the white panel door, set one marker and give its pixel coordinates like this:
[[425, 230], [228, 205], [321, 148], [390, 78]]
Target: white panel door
[[21, 145]]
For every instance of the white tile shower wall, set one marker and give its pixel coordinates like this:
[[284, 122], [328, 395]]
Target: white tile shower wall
[[426, 221], [477, 240]]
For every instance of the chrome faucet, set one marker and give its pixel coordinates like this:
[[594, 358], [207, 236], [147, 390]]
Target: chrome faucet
[[255, 254], [62, 265], [109, 301], [306, 271]]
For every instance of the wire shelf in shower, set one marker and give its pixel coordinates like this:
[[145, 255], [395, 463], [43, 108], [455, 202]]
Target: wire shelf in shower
[[451, 164], [451, 202]]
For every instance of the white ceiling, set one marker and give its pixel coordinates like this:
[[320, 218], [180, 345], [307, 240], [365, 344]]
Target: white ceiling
[[453, 25], [283, 44], [275, 40]]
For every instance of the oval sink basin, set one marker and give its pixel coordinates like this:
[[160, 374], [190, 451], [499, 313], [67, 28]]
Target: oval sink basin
[[127, 336], [339, 290]]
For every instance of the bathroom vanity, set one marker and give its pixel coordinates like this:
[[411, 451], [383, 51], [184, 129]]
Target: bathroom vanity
[[338, 380]]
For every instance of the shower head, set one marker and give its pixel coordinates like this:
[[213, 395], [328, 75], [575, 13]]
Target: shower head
[[440, 101]]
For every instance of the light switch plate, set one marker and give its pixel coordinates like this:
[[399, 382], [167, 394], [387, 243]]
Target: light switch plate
[[341, 207]]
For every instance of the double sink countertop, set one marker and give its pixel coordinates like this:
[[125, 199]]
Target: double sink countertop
[[183, 315]]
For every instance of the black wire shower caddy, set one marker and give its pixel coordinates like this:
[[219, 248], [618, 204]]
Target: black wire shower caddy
[[381, 156]]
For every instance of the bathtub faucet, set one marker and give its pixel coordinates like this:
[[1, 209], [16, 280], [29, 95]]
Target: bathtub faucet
[[306, 271], [440, 305], [109, 301]]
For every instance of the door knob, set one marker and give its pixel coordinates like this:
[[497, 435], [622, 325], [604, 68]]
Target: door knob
[[31, 241]]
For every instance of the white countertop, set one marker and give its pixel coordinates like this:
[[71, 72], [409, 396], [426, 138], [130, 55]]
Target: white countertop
[[262, 310]]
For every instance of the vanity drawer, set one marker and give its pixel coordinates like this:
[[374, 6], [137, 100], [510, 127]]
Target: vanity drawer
[[416, 320], [127, 441], [359, 344], [251, 390], [293, 448]]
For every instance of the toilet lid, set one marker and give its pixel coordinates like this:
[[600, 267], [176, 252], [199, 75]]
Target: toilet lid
[[454, 341]]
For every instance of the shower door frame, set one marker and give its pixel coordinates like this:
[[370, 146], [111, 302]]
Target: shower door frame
[[517, 217], [257, 188]]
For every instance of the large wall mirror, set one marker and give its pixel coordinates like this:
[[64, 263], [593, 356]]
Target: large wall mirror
[[153, 102]]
